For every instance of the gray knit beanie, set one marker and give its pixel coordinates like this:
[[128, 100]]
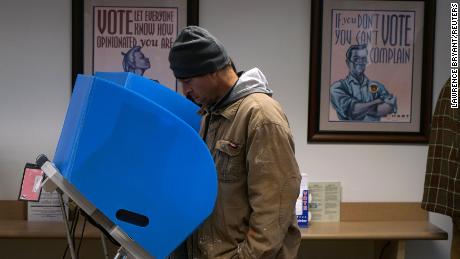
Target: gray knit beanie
[[196, 52]]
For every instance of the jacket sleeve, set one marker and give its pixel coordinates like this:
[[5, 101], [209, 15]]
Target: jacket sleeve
[[273, 188]]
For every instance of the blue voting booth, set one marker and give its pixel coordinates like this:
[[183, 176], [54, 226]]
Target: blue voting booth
[[130, 154]]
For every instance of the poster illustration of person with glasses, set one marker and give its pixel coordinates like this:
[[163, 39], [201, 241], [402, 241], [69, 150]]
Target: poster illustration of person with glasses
[[371, 65]]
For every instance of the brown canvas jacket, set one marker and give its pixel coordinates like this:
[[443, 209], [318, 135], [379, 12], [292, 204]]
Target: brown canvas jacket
[[254, 214], [442, 178]]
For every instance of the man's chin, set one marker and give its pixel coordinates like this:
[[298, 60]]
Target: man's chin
[[195, 101]]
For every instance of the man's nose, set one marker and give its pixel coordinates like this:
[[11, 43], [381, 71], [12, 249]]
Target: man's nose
[[186, 88]]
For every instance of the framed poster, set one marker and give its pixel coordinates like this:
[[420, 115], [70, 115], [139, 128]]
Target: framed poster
[[371, 67], [128, 36]]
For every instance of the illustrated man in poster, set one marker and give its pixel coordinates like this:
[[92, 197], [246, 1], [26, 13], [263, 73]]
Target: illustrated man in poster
[[358, 98], [135, 61]]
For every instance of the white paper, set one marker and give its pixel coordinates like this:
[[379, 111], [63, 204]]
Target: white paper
[[325, 201], [47, 209]]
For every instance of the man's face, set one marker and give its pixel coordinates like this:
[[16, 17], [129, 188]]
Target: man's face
[[141, 61], [358, 61], [202, 89]]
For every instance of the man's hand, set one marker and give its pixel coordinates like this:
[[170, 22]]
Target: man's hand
[[391, 100], [361, 109]]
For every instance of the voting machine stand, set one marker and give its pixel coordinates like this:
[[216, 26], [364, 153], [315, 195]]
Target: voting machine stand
[[54, 181]]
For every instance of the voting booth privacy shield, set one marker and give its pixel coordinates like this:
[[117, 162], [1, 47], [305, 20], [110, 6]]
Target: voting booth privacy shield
[[161, 95], [129, 154]]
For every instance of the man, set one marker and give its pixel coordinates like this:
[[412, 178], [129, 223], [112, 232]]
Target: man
[[249, 138], [358, 98], [134, 61], [442, 179]]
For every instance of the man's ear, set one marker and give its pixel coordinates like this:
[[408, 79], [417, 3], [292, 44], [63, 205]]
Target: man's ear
[[214, 76]]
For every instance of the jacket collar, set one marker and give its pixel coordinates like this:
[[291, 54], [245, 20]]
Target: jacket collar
[[227, 112], [351, 79]]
